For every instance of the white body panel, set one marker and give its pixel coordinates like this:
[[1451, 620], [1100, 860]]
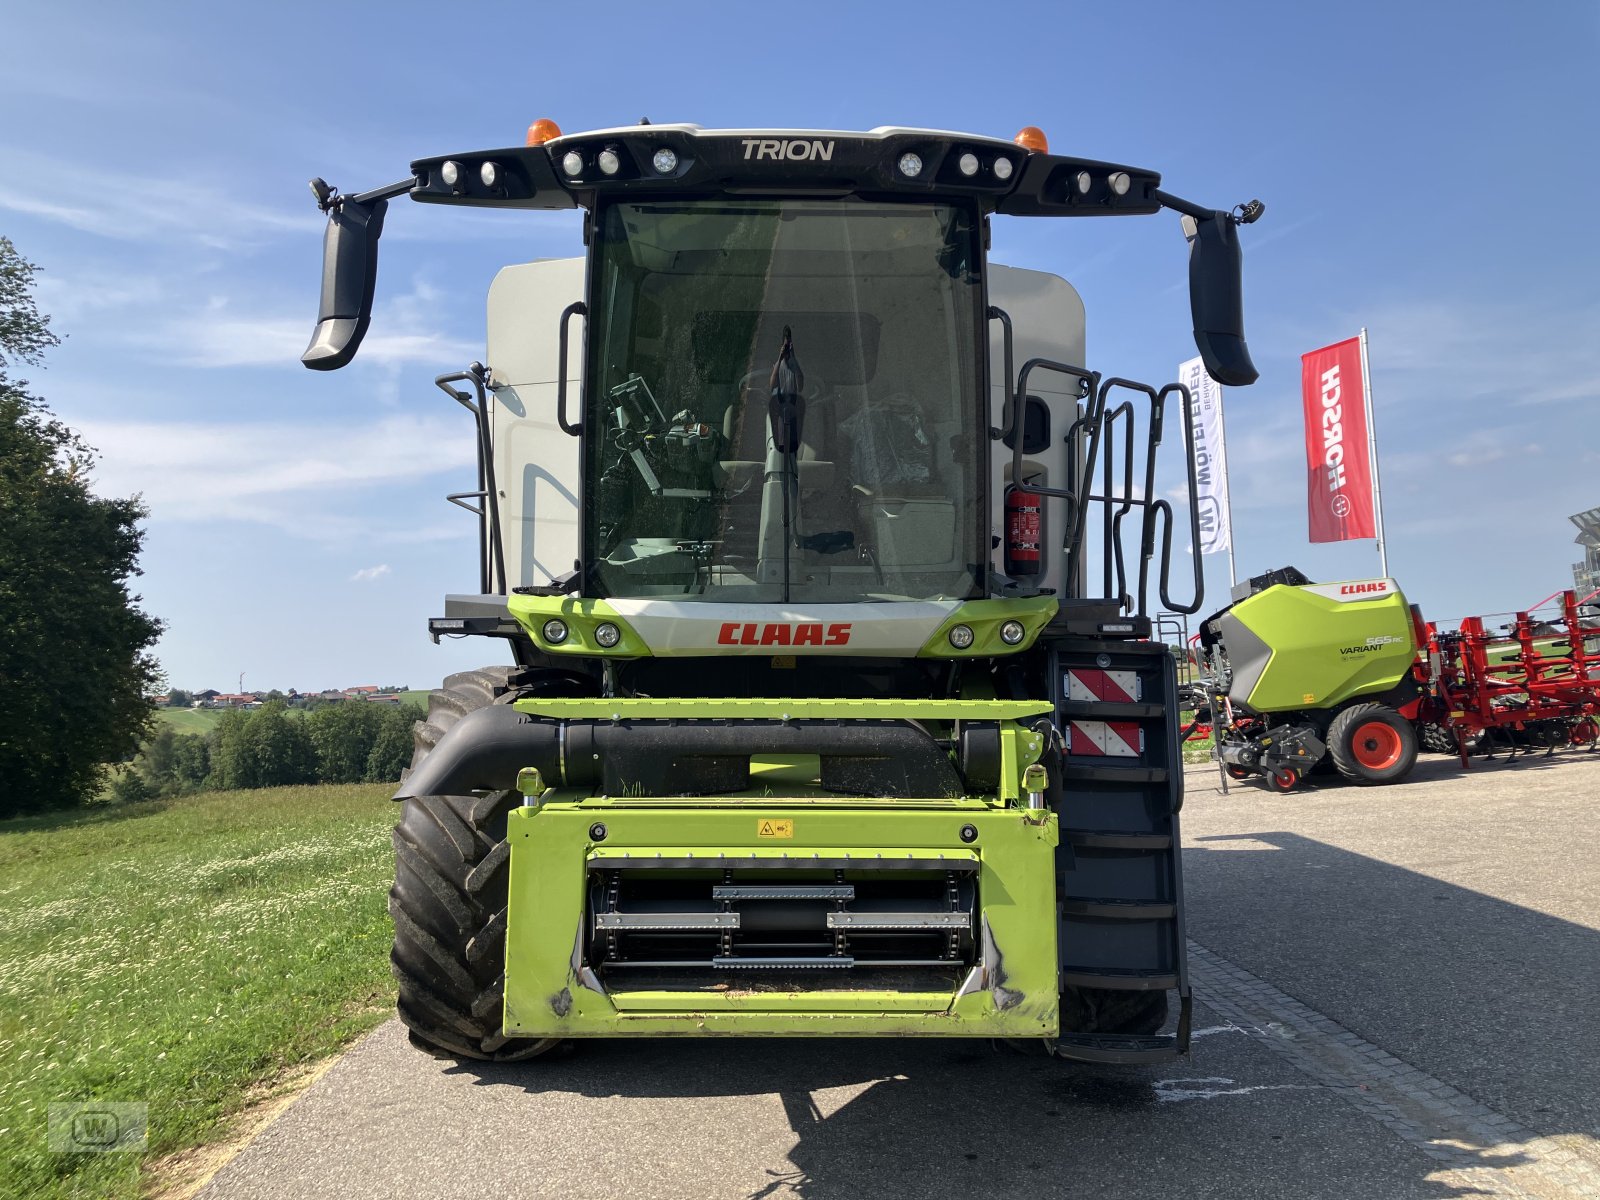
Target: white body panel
[[1047, 322], [537, 465], [897, 630]]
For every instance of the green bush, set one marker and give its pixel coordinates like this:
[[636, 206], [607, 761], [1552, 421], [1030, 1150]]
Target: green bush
[[347, 742], [264, 748]]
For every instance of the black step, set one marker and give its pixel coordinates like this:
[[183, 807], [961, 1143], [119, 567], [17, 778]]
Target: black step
[[1118, 1047], [1126, 910], [1110, 710], [1093, 770], [1127, 979], [1094, 839]]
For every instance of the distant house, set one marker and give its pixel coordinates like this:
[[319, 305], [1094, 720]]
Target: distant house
[[207, 697], [163, 701], [365, 689], [236, 700], [383, 698], [331, 694]]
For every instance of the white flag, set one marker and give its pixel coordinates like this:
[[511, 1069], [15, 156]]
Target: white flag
[[1210, 457]]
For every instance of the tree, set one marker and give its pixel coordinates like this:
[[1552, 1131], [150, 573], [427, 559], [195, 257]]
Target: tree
[[264, 748], [391, 747], [171, 763], [343, 735], [74, 644], [178, 698]]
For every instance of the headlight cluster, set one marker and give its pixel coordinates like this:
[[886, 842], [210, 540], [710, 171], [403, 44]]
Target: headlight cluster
[[1012, 633], [607, 634], [611, 161]]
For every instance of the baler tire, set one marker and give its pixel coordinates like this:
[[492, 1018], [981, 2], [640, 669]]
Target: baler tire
[[452, 865], [1112, 1010], [1371, 743]]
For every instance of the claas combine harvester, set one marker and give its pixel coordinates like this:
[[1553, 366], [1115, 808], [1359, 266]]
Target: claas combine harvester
[[831, 709], [1347, 676]]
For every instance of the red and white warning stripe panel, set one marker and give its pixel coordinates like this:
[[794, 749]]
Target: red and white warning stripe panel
[[1118, 687], [1109, 739]]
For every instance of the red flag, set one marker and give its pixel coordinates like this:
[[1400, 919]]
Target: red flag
[[1338, 467]]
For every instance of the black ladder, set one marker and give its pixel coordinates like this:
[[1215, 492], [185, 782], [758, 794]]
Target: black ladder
[[1118, 788]]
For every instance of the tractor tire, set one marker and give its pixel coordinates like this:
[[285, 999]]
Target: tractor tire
[[1112, 1010], [452, 865], [1371, 743]]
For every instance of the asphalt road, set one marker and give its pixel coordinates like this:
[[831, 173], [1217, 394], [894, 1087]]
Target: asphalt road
[[1396, 997]]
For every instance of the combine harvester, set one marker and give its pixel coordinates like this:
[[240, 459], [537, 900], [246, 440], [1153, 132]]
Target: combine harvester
[[1347, 676], [815, 723]]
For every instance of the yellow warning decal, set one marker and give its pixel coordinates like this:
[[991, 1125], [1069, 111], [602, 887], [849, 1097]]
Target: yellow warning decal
[[1309, 698], [769, 828]]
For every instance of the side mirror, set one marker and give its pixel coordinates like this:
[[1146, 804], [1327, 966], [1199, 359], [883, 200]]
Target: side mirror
[[1216, 298], [349, 275]]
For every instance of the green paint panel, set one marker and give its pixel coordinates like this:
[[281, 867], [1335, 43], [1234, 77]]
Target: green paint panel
[[984, 618], [547, 995], [1324, 651], [581, 617], [769, 709]]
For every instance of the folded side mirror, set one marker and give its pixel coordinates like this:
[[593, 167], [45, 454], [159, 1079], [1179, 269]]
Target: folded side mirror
[[1216, 298], [349, 275]]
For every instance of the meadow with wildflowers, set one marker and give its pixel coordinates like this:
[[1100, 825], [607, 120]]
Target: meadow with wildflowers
[[178, 953]]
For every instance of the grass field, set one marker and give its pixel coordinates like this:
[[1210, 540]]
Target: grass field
[[175, 953], [204, 720]]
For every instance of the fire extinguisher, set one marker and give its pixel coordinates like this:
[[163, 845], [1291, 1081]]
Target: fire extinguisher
[[1024, 532]]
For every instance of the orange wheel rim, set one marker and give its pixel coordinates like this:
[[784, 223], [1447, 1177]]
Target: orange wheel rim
[[1376, 746]]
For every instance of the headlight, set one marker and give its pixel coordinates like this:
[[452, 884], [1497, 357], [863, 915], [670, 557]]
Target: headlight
[[555, 631], [490, 174], [910, 165], [607, 635], [1120, 182], [1084, 183], [572, 163], [1002, 169], [450, 172], [610, 164], [968, 163], [665, 161], [1012, 632], [961, 636]]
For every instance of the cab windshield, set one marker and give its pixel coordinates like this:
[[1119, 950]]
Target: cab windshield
[[868, 489]]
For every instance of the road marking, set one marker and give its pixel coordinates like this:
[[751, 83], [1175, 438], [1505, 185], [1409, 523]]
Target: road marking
[[1167, 1090], [1481, 1149]]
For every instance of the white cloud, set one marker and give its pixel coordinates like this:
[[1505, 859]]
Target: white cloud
[[369, 574], [193, 471], [136, 208], [220, 332]]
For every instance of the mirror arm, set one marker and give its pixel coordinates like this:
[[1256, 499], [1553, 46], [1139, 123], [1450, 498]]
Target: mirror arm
[[1179, 205], [387, 192]]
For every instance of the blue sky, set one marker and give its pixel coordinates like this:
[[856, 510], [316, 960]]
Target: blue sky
[[1428, 169]]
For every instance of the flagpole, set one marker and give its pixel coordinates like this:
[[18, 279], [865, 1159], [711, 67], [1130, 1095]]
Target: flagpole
[[1372, 454], [1227, 490]]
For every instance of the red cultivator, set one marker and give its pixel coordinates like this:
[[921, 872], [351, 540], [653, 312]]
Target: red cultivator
[[1536, 686]]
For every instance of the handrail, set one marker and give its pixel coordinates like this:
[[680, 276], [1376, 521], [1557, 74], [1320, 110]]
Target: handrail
[[580, 309]]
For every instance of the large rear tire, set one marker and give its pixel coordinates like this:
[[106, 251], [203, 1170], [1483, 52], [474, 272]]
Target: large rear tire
[[452, 864], [1371, 743]]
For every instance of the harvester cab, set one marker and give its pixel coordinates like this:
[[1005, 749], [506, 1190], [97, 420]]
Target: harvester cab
[[824, 564]]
